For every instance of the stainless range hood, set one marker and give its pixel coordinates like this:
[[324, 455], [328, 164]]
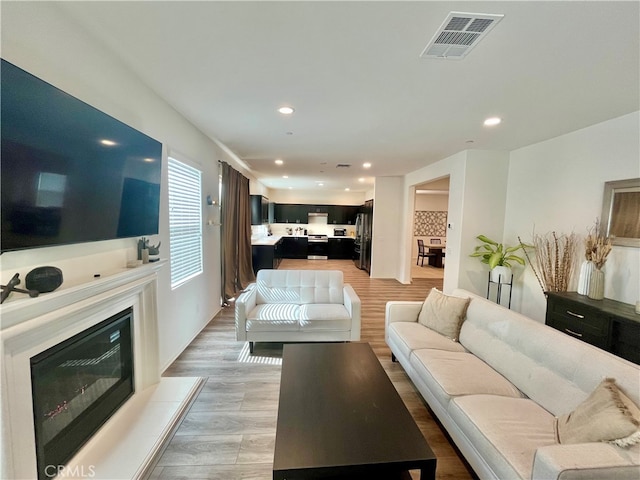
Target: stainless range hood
[[318, 218]]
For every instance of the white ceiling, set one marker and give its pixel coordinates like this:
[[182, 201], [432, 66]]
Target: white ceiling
[[361, 92]]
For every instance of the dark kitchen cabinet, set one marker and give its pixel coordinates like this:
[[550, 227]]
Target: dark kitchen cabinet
[[341, 248], [259, 210], [343, 214], [266, 256], [607, 324], [295, 247], [290, 213], [299, 213], [318, 208]]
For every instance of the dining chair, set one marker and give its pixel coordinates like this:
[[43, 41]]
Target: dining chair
[[422, 253]]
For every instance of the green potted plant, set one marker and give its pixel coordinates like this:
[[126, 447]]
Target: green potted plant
[[498, 257]]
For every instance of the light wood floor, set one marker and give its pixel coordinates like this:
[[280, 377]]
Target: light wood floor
[[229, 431], [426, 271]]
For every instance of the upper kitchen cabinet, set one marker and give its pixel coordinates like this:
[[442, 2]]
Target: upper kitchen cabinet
[[259, 210], [343, 214], [290, 213]]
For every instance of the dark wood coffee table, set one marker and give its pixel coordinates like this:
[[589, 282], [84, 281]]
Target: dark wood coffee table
[[340, 417]]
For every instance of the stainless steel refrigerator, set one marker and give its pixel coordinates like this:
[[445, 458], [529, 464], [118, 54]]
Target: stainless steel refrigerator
[[357, 244], [362, 244]]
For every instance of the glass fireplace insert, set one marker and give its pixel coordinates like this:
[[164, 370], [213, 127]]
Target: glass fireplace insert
[[77, 386]]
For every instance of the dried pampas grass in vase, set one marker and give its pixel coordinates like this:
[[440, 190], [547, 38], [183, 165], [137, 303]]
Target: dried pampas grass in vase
[[597, 249], [555, 260], [597, 246]]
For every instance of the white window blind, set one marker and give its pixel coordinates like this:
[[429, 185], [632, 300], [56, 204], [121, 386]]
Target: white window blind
[[185, 221]]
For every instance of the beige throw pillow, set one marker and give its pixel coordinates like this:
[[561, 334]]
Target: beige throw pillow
[[443, 313], [607, 415]]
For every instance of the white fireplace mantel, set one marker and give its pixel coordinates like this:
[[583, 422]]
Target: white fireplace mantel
[[32, 325]]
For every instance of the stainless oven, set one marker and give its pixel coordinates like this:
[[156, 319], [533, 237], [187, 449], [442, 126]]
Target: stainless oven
[[318, 247]]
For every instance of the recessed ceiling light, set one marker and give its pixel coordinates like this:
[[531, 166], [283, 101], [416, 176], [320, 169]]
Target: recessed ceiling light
[[290, 188], [321, 184], [108, 143], [149, 160], [347, 189], [361, 180], [366, 165], [286, 110], [285, 176], [492, 121], [279, 162]]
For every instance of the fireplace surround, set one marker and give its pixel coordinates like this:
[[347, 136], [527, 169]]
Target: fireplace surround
[[126, 445], [77, 386]]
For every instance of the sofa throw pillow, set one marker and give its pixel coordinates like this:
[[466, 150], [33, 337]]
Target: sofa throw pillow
[[607, 415], [443, 313]]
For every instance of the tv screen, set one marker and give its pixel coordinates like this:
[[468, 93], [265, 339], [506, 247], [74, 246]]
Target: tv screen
[[69, 172]]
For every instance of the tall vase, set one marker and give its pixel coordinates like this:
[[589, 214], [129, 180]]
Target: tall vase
[[586, 269], [596, 285]]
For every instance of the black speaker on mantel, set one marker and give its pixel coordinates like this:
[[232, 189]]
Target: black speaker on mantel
[[44, 279]]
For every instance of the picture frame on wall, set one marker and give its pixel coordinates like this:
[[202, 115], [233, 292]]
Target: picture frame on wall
[[621, 212]]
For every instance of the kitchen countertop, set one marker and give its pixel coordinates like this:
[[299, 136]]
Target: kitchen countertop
[[273, 239]]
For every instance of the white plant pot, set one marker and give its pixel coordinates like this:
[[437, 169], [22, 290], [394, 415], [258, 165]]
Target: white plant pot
[[501, 274]]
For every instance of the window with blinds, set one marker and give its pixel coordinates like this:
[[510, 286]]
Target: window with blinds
[[185, 221]]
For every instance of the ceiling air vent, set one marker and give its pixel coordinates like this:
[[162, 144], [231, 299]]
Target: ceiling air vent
[[459, 33]]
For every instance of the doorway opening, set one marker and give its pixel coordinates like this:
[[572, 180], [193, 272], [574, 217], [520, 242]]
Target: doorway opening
[[431, 204]]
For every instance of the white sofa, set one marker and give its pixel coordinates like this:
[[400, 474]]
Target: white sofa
[[500, 388], [298, 306]]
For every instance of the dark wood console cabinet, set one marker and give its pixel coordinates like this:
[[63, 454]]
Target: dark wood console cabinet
[[611, 325]]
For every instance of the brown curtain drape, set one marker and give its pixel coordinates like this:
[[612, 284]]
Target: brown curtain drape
[[235, 216]]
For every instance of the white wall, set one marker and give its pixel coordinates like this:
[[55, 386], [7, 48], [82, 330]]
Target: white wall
[[387, 226], [557, 185], [483, 200], [39, 38]]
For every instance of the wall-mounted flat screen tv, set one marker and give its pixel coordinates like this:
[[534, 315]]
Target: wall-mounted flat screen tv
[[69, 172]]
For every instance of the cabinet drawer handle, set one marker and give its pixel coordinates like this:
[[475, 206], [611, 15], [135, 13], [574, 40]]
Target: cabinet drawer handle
[[575, 314], [571, 332]]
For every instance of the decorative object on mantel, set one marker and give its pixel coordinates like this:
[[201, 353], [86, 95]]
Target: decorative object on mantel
[[498, 257], [555, 260], [11, 287], [145, 250], [44, 279], [597, 248]]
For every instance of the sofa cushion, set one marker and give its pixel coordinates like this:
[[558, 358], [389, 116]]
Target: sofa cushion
[[299, 286], [505, 431], [324, 316], [274, 317], [450, 374], [321, 286], [607, 415], [443, 313], [410, 336]]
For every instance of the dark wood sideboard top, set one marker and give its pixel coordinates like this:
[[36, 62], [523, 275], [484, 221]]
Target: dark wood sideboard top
[[624, 311]]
